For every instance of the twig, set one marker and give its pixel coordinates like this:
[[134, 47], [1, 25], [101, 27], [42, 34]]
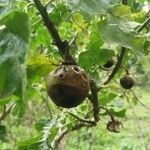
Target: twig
[[62, 133], [82, 119], [107, 111], [63, 46], [126, 70], [58, 138]]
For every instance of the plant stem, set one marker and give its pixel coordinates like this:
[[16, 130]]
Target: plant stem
[[62, 46], [122, 53], [94, 100]]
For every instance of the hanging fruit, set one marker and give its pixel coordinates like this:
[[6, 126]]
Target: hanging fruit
[[127, 82], [68, 86]]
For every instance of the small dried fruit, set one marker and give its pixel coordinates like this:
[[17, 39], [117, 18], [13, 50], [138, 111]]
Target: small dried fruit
[[127, 82], [67, 86], [114, 126]]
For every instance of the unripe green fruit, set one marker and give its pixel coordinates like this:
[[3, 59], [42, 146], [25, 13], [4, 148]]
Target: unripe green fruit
[[67, 86], [127, 82]]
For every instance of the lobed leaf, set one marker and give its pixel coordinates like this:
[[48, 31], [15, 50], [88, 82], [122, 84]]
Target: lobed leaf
[[14, 37]]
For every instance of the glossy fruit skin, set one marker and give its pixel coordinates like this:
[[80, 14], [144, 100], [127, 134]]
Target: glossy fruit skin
[[127, 82], [109, 63], [67, 86]]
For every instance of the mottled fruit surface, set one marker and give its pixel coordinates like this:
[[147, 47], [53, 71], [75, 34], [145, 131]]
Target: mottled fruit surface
[[67, 86], [127, 82]]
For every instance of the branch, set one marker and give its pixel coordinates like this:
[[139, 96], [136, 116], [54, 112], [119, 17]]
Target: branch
[[58, 138], [107, 111], [122, 53], [120, 59], [62, 46], [82, 119], [62, 133], [94, 100]]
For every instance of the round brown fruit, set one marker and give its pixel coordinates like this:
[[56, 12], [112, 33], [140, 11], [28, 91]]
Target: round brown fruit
[[67, 86], [109, 63], [127, 82]]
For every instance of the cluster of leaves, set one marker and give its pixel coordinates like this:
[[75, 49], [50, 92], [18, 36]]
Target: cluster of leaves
[[96, 30]]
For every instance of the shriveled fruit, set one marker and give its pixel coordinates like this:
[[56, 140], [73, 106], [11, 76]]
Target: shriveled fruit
[[67, 86], [127, 82], [109, 63]]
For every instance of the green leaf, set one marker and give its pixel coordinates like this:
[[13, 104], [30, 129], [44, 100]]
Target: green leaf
[[117, 113], [14, 37], [48, 133], [95, 40], [40, 66], [106, 97], [57, 13], [3, 133], [78, 21], [17, 22], [121, 12], [40, 37], [93, 6], [121, 113], [30, 144], [5, 101], [93, 57], [116, 32], [40, 124]]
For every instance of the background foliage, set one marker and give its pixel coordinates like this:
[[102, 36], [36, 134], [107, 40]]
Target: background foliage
[[96, 31]]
